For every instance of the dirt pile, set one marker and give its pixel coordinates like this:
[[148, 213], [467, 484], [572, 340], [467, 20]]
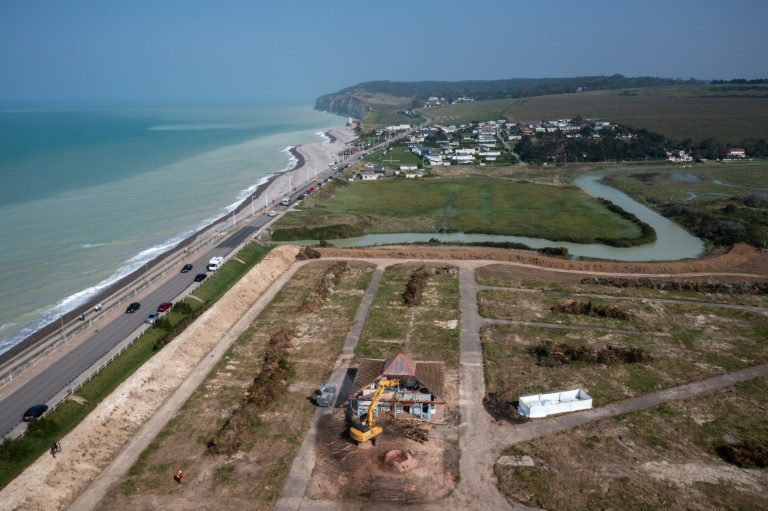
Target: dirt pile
[[591, 310], [550, 354], [316, 299], [271, 382], [399, 461], [415, 287], [709, 286]]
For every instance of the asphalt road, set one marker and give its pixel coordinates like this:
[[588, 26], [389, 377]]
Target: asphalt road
[[60, 372]]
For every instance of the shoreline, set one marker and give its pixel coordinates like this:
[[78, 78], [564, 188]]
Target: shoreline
[[302, 160]]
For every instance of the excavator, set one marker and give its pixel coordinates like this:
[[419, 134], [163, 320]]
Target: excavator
[[368, 429]]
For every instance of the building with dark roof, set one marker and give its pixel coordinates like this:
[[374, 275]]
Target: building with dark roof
[[421, 392]]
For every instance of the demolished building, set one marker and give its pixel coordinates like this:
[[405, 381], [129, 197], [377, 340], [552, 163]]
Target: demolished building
[[421, 392]]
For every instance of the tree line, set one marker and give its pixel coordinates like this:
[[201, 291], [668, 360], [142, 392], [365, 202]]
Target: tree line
[[510, 88]]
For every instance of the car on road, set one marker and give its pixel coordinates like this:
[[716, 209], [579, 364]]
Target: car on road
[[133, 307], [305, 195], [325, 394], [186, 268], [34, 412], [272, 213], [164, 306], [200, 277], [152, 317]]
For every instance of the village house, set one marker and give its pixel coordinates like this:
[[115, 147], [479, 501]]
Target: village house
[[421, 392], [737, 152], [368, 175]]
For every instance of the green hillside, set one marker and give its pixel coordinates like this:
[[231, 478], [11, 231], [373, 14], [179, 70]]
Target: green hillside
[[729, 113]]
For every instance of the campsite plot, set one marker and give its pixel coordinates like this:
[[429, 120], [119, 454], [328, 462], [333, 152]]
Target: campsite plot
[[665, 457]]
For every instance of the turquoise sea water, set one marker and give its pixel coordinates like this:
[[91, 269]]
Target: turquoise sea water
[[89, 193]]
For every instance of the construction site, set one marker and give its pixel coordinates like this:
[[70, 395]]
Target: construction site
[[426, 354]]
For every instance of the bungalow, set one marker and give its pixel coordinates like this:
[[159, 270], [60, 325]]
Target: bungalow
[[369, 175], [737, 152], [408, 167], [420, 393]]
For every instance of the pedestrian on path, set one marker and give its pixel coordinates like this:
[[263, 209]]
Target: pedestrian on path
[[177, 477], [53, 449], [69, 390], [57, 445]]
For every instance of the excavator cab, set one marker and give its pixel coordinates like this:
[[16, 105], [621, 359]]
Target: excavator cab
[[367, 430]]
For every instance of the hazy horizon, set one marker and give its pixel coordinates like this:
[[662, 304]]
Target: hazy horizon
[[243, 51]]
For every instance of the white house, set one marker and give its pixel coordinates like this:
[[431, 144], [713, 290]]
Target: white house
[[737, 152], [368, 175]]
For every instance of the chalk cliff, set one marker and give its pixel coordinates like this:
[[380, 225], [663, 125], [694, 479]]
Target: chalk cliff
[[342, 104]]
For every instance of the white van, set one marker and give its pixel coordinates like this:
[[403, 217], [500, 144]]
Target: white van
[[286, 201], [215, 263]]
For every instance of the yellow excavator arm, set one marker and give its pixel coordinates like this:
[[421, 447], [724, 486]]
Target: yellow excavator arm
[[368, 429]]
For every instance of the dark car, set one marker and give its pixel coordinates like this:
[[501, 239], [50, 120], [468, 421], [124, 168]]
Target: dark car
[[164, 306], [200, 277], [325, 394], [186, 268], [133, 307], [34, 412]]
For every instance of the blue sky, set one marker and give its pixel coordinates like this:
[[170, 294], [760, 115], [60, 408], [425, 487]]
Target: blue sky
[[243, 50]]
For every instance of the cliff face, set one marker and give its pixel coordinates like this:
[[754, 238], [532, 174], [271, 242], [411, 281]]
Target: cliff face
[[342, 104]]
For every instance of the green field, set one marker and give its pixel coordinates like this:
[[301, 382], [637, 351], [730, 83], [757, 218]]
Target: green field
[[471, 205], [697, 112], [721, 203]]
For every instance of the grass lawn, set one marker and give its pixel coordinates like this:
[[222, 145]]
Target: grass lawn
[[428, 331], [472, 205], [258, 475]]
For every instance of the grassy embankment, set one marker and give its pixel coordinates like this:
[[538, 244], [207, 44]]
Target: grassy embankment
[[702, 342], [723, 204], [697, 112], [257, 473], [471, 205], [17, 454]]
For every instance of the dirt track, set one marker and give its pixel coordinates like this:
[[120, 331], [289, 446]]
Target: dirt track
[[55, 483], [742, 260]]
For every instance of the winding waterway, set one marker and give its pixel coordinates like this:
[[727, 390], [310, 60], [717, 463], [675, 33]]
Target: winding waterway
[[672, 242]]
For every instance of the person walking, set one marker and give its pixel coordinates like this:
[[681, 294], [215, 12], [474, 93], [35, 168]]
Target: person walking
[[53, 449], [177, 476], [57, 445]]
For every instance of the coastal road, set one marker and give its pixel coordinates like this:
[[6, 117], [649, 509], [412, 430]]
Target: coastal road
[[54, 374]]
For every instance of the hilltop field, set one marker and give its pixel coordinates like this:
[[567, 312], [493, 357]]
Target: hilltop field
[[729, 113]]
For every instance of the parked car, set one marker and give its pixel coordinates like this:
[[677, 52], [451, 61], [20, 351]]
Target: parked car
[[200, 277], [152, 317], [164, 306], [34, 412], [272, 213], [186, 268], [133, 307], [325, 395]]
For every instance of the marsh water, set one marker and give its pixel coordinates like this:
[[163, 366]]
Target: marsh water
[[672, 241]]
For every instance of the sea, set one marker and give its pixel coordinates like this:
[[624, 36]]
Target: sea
[[91, 192]]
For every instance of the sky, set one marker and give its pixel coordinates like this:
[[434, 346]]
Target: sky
[[233, 50]]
